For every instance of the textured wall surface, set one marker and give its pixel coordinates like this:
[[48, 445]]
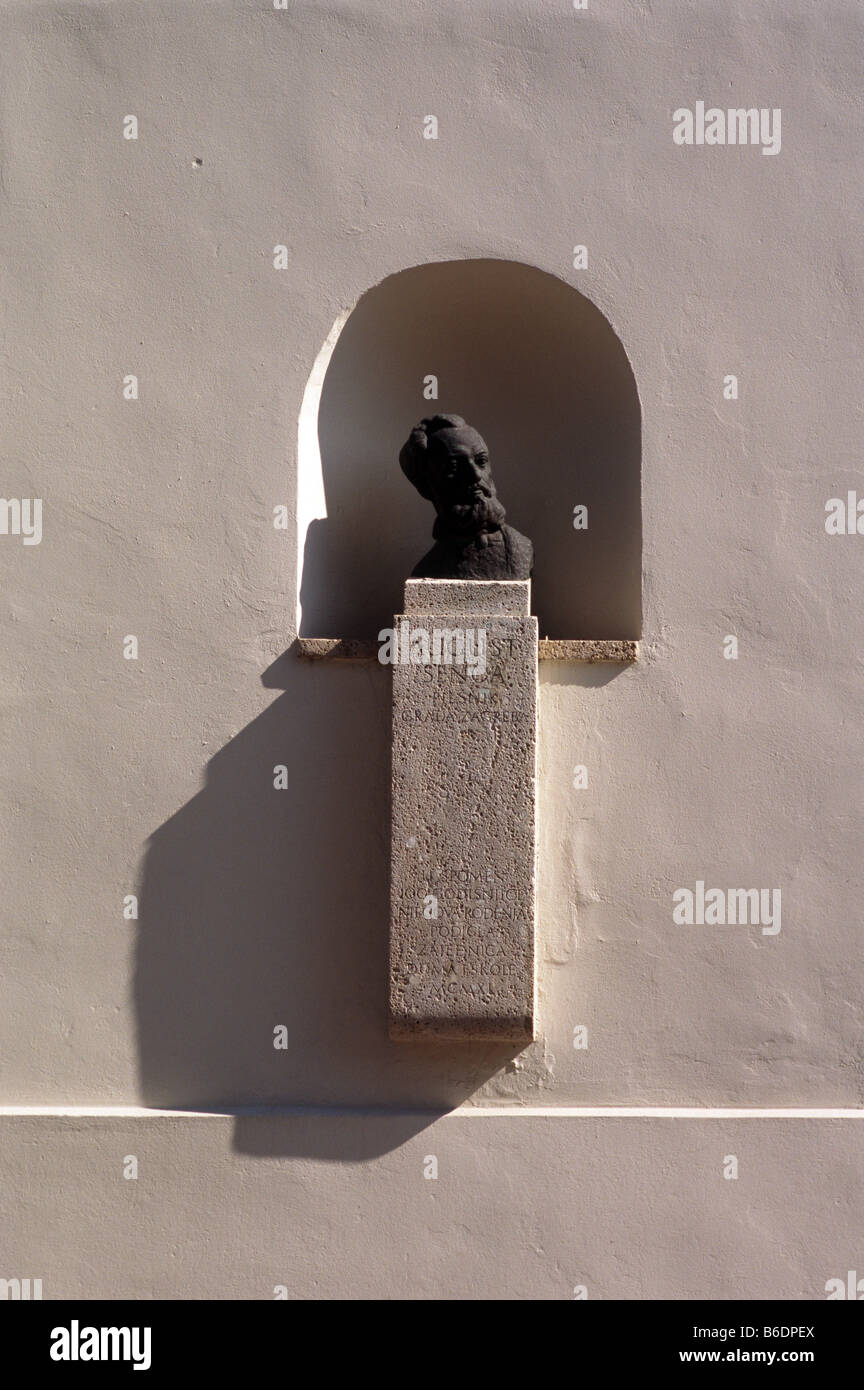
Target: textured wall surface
[[400, 1206], [262, 907]]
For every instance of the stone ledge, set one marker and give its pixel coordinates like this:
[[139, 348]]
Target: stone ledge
[[589, 650], [622, 651]]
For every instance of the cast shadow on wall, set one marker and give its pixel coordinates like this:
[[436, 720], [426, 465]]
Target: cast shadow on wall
[[535, 367], [261, 908]]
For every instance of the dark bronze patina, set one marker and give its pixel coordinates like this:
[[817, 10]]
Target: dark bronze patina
[[448, 463]]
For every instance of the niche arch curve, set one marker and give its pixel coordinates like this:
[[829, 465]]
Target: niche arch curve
[[537, 368]]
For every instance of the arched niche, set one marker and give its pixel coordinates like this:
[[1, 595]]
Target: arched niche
[[537, 369]]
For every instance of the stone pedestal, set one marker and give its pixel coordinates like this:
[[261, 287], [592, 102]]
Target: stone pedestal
[[463, 821]]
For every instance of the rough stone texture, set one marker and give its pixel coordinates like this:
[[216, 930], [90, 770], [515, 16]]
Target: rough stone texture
[[463, 820], [588, 652], [477, 596], [336, 648]]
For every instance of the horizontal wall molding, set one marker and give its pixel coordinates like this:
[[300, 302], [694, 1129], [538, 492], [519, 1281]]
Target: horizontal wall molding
[[462, 1112]]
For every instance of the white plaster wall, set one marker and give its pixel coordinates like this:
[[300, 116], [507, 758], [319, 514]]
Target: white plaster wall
[[261, 907], [337, 1206]]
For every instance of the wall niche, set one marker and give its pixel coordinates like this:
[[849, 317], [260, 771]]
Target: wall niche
[[539, 371]]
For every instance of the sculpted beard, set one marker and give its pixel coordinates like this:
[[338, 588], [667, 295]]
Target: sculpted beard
[[482, 513]]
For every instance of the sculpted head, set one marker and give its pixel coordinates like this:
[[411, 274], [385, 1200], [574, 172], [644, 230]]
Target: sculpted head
[[448, 463]]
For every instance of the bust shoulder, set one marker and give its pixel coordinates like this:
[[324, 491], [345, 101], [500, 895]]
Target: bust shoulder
[[520, 553]]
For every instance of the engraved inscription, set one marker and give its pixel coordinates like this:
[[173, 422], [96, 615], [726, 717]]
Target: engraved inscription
[[463, 834]]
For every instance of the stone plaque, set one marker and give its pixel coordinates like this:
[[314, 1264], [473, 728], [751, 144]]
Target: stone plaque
[[463, 828]]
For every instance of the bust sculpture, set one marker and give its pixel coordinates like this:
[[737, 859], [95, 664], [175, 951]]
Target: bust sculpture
[[448, 463]]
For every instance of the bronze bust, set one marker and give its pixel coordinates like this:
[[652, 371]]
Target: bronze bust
[[448, 463]]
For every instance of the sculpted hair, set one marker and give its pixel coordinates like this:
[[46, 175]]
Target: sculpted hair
[[413, 454]]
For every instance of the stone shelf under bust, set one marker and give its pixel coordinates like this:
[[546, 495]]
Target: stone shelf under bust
[[590, 650]]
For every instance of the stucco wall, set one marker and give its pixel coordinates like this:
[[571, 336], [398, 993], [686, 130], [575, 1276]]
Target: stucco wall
[[153, 776]]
